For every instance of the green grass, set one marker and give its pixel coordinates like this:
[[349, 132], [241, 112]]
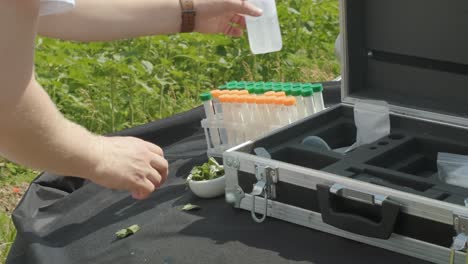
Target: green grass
[[108, 87], [7, 235]]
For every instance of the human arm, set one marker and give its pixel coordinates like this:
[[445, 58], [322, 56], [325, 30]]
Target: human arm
[[34, 133], [105, 20]]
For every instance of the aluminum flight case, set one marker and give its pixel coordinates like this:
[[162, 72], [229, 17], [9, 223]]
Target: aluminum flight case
[[411, 54]]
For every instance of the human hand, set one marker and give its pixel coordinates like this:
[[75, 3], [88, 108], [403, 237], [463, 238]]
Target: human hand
[[128, 163], [223, 16]]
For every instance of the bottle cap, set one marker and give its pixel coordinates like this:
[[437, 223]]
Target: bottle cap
[[318, 88], [251, 99], [216, 93], [277, 88], [241, 85], [270, 93], [290, 101], [280, 94], [278, 100], [270, 99], [261, 99], [296, 85], [258, 90], [250, 88], [288, 85], [242, 99], [287, 90], [224, 98], [307, 92], [234, 98], [296, 92], [205, 97]]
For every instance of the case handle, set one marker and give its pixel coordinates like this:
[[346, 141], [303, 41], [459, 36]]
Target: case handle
[[355, 223]]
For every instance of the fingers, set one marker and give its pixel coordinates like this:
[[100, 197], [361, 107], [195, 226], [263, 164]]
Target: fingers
[[234, 32], [244, 8], [161, 166], [142, 189], [241, 22], [155, 149], [235, 29], [155, 178]]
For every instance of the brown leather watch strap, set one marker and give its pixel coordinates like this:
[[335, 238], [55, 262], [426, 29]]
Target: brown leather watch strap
[[188, 16]]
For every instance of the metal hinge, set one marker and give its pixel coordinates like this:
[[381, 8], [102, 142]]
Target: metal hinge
[[267, 177]]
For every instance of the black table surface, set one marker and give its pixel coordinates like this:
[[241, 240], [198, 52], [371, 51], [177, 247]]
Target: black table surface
[[68, 220]]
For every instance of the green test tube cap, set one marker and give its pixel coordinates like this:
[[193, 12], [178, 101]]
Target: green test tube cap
[[205, 97], [258, 90], [307, 92], [250, 88], [241, 85], [296, 92], [318, 87], [296, 85], [277, 88]]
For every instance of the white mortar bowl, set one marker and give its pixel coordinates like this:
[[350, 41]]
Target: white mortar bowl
[[208, 188]]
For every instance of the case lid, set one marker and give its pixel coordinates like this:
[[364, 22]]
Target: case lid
[[411, 53]]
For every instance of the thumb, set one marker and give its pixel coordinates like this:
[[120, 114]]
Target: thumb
[[245, 8]]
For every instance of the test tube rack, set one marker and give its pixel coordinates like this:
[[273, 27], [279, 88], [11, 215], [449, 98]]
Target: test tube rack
[[223, 133]]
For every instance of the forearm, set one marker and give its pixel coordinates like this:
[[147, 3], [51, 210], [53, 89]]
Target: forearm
[[103, 20], [35, 134]]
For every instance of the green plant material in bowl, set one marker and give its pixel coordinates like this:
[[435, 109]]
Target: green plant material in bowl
[[208, 171]]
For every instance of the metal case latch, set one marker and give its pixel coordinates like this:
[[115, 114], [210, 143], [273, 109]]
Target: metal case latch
[[460, 223], [267, 177]]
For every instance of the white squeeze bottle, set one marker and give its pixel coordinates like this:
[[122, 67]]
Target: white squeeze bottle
[[264, 31]]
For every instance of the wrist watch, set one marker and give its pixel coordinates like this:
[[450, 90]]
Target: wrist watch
[[188, 16]]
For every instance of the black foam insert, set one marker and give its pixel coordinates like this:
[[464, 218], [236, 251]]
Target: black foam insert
[[409, 53], [405, 160]]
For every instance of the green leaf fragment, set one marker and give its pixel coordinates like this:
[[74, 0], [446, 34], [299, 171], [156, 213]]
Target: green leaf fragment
[[189, 207], [123, 233]]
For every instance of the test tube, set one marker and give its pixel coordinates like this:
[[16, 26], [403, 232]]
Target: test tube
[[244, 115], [208, 105], [283, 111], [262, 122], [251, 108], [277, 103], [318, 97], [291, 109], [307, 96], [270, 110], [218, 110], [225, 133], [297, 93]]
